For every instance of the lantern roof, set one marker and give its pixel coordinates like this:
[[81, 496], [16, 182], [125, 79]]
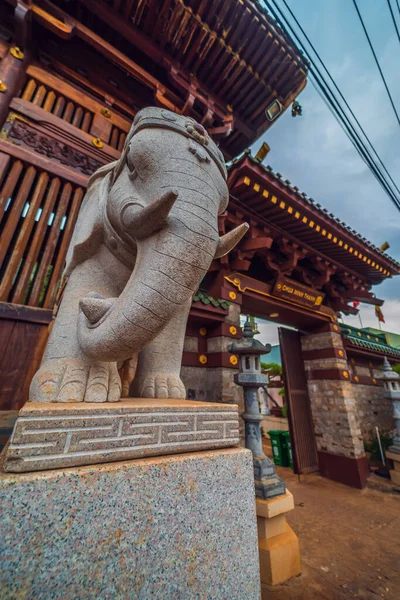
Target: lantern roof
[[249, 345], [388, 374]]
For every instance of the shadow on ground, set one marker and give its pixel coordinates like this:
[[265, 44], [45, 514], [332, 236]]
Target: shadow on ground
[[349, 541]]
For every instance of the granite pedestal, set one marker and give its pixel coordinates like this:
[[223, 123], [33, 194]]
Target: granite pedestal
[[173, 527]]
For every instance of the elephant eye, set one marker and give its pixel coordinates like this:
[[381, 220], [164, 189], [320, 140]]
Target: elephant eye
[[131, 166]]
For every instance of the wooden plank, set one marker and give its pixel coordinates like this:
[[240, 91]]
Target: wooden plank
[[20, 362], [49, 102], [301, 426], [114, 138], [29, 90], [51, 243], [17, 312], [19, 294], [59, 107], [6, 330], [101, 128], [40, 161], [4, 162], [80, 140], [16, 210], [87, 119], [69, 111], [51, 293], [79, 97], [39, 96], [10, 183], [121, 142], [23, 237], [94, 90], [77, 119]]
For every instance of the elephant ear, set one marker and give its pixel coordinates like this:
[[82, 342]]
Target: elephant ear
[[88, 232]]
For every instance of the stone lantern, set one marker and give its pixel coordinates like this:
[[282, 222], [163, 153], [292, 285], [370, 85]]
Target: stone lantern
[[391, 384], [267, 483]]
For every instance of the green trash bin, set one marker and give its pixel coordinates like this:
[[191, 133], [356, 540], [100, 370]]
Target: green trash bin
[[277, 450], [287, 448]]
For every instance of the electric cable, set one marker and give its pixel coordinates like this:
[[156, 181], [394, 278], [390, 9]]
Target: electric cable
[[337, 88], [336, 109], [393, 19], [376, 61]]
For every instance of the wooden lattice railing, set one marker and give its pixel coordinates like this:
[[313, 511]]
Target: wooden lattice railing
[[69, 104], [38, 212]]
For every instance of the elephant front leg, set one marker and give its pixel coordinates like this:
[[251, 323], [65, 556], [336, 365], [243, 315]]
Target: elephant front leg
[[66, 373], [159, 365]]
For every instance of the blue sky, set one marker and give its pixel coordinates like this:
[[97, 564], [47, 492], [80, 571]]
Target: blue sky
[[314, 153]]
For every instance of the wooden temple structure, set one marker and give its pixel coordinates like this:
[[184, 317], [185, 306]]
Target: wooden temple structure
[[73, 74]]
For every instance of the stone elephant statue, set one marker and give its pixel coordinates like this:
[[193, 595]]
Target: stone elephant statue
[[146, 234]]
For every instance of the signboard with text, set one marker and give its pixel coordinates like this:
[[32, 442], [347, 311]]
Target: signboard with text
[[296, 292]]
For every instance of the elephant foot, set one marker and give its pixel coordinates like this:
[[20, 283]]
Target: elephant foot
[[161, 385], [76, 380]]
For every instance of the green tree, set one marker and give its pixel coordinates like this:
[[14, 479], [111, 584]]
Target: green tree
[[271, 369]]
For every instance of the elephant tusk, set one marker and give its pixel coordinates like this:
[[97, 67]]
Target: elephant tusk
[[228, 241], [95, 308], [142, 222]]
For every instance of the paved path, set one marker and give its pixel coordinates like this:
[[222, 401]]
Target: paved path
[[349, 540]]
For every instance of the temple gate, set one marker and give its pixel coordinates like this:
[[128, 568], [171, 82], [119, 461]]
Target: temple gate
[[229, 67]]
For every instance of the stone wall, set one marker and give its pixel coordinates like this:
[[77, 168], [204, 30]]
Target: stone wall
[[214, 384], [336, 421], [374, 410]]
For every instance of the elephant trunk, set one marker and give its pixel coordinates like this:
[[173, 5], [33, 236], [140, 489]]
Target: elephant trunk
[[169, 267], [170, 264]]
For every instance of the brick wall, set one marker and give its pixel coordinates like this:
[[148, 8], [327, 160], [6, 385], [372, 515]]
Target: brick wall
[[336, 421], [373, 410]]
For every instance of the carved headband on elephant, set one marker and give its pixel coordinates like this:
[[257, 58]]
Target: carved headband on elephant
[[90, 230]]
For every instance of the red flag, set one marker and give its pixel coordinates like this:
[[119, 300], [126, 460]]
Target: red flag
[[379, 314], [356, 304]]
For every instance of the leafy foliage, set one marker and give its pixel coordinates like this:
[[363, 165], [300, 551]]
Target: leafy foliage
[[271, 369], [373, 445]]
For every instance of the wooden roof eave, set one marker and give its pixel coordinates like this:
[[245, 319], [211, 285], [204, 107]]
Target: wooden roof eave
[[248, 166], [219, 46]]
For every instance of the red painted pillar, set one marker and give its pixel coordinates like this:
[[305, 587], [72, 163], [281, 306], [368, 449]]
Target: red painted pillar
[[12, 71]]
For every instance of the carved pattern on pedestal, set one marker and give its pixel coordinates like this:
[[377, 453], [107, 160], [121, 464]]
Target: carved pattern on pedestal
[[52, 148], [47, 442]]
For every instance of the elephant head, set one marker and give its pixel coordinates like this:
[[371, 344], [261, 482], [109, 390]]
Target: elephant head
[[164, 197]]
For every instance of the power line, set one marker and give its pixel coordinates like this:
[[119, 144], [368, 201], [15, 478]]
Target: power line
[[376, 60], [336, 87], [336, 109], [393, 19]]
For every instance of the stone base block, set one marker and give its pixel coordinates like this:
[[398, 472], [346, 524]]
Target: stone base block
[[173, 527], [56, 435], [394, 456], [278, 544], [279, 557], [395, 476]]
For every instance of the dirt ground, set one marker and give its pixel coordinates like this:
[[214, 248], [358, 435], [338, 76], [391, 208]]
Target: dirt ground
[[349, 541]]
